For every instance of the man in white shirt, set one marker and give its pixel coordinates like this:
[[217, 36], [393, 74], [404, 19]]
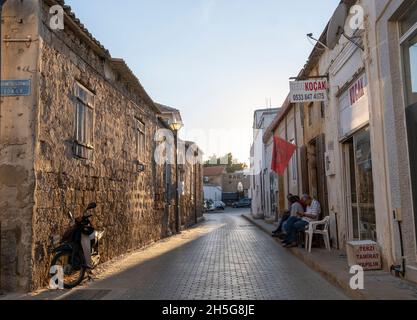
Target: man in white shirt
[[300, 223], [313, 209]]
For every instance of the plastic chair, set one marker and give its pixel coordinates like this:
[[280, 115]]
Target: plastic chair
[[312, 230]]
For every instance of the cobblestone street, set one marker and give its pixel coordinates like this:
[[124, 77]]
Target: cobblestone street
[[224, 258]]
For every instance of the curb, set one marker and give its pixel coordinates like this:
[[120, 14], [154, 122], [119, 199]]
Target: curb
[[356, 295]]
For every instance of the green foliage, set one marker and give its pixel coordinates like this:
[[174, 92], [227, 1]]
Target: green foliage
[[232, 165]]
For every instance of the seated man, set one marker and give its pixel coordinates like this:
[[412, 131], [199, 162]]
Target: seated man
[[295, 206], [299, 223]]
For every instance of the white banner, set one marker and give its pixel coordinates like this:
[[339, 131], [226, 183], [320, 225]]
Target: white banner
[[308, 90]]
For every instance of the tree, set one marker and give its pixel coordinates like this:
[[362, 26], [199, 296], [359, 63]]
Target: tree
[[232, 164]]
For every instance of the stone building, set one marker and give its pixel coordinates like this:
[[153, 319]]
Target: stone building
[[231, 182], [213, 176], [80, 128]]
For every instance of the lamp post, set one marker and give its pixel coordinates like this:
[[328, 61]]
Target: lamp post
[[176, 125]]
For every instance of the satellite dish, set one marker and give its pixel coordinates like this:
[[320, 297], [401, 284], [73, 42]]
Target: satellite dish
[[337, 25]]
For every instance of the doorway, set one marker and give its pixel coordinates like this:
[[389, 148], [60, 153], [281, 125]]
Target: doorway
[[360, 187], [316, 172]]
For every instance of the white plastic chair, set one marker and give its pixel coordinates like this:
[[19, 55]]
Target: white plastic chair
[[312, 230]]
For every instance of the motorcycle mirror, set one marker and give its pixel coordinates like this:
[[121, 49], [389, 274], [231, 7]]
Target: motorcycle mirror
[[92, 205]]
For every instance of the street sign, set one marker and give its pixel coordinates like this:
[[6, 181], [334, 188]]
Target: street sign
[[308, 90], [13, 88]]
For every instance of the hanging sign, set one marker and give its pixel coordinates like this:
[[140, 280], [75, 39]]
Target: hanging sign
[[13, 88], [308, 90]]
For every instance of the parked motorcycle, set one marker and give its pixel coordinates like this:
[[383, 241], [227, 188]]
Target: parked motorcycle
[[70, 256]]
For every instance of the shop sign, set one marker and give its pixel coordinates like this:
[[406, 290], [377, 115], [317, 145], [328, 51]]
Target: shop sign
[[365, 254], [353, 106], [308, 90]]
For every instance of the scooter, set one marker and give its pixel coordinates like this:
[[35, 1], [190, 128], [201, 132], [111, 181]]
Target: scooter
[[69, 259]]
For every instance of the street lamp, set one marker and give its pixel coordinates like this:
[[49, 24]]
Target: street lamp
[[175, 125]]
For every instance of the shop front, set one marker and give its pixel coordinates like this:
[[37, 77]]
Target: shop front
[[408, 33], [357, 160]]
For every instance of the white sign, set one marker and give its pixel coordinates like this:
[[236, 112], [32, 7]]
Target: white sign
[[365, 254], [353, 105], [308, 90]]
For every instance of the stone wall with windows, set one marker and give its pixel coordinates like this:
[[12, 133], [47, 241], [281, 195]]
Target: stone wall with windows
[[83, 135], [107, 172], [192, 176], [106, 169]]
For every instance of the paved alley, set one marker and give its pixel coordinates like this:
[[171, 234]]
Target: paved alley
[[224, 258]]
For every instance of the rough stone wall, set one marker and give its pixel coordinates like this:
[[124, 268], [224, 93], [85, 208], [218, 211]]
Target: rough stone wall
[[41, 179], [126, 198]]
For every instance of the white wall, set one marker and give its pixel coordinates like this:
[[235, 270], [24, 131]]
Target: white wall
[[212, 193]]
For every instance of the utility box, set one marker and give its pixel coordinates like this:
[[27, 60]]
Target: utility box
[[365, 254]]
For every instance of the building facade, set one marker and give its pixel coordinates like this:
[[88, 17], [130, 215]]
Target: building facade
[[391, 66], [234, 180], [354, 151], [213, 175], [259, 167], [84, 132], [287, 126]]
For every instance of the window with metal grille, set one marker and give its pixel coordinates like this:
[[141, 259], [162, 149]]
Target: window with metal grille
[[140, 140], [84, 122]]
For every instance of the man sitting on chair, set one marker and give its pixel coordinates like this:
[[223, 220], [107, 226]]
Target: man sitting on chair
[[300, 222]]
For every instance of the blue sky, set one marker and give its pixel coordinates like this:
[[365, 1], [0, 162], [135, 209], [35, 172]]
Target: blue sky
[[215, 60]]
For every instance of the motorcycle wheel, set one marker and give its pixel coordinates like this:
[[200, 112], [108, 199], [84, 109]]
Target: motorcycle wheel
[[73, 276]]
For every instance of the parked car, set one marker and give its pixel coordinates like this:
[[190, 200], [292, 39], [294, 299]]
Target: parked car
[[243, 203], [210, 205], [219, 205], [229, 198]]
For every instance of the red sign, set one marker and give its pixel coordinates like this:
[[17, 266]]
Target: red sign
[[357, 91], [282, 154], [315, 86]]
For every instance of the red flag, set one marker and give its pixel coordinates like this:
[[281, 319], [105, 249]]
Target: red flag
[[282, 154]]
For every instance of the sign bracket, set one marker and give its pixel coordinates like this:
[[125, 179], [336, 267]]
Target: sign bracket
[[312, 77]]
